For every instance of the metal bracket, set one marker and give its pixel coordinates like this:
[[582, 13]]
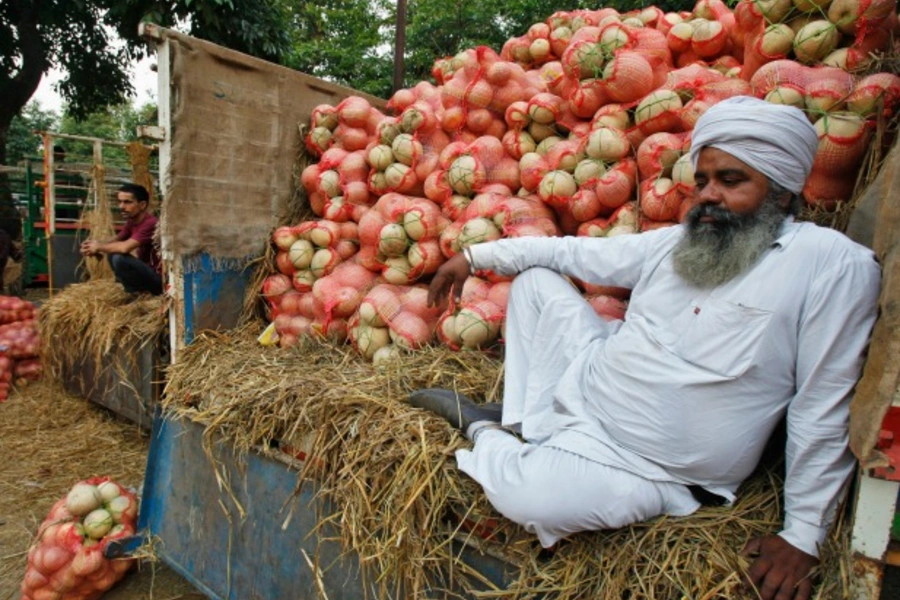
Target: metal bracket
[[153, 132], [889, 445], [124, 547]]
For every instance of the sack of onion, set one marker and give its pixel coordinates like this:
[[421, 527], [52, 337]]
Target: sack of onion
[[66, 560]]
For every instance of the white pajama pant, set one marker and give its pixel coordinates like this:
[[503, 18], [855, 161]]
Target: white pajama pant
[[549, 491]]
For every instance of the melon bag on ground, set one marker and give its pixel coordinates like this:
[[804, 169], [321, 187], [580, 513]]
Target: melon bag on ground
[[66, 560]]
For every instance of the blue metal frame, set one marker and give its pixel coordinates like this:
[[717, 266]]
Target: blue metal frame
[[213, 295], [248, 541]]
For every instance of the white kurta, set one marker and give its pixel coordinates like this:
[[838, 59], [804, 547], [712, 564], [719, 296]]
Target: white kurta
[[692, 384]]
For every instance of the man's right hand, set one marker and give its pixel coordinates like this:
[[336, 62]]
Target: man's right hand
[[89, 248], [449, 277]]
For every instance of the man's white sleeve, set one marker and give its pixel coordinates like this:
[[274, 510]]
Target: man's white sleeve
[[604, 261], [835, 326]]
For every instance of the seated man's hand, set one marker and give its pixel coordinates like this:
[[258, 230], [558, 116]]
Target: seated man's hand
[[779, 571], [449, 277], [89, 248]]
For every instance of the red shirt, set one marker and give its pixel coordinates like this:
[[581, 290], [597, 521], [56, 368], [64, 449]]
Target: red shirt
[[143, 233]]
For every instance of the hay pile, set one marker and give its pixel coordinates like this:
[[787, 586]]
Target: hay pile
[[389, 469], [87, 320], [98, 219]]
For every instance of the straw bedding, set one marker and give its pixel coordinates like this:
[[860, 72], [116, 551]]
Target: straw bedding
[[88, 320], [389, 469]]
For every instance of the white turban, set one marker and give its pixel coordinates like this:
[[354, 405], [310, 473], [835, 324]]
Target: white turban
[[775, 139]]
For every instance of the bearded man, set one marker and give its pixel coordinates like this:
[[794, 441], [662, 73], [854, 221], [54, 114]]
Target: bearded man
[[739, 317]]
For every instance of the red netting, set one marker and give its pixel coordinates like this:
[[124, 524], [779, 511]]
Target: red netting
[[660, 199], [843, 141], [475, 321], [398, 237], [658, 153], [337, 296], [491, 216], [623, 221], [870, 91], [393, 314]]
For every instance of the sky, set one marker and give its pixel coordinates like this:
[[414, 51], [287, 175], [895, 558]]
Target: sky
[[142, 78]]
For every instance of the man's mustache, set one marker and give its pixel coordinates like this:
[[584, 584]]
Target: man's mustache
[[721, 217]]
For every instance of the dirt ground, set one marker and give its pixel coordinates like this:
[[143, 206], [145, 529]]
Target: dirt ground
[[50, 440]]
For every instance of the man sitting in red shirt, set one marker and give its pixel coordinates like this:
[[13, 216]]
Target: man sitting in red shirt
[[132, 255]]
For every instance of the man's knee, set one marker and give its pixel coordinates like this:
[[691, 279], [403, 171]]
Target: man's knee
[[535, 505], [116, 261], [539, 286]]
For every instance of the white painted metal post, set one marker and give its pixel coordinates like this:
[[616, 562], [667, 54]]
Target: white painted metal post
[[174, 272]]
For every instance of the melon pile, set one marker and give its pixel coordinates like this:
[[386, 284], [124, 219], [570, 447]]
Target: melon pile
[[579, 127], [20, 344], [66, 561]]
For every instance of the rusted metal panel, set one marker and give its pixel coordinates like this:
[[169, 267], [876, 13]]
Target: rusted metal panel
[[126, 380], [889, 445], [867, 578]]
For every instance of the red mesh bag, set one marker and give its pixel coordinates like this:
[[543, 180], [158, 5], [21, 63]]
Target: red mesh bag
[[477, 96], [392, 315], [617, 186], [518, 143], [274, 288], [475, 322], [869, 41], [764, 44], [404, 98], [468, 168], [880, 89], [334, 299], [295, 316], [532, 168], [658, 153], [552, 77], [66, 559], [860, 16], [20, 339], [652, 45], [492, 216], [823, 88], [398, 238], [660, 199], [623, 221], [843, 141], [323, 121], [314, 249], [628, 77], [660, 110], [7, 366]]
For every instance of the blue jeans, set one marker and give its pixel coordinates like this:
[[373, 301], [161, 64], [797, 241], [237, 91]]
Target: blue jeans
[[135, 275]]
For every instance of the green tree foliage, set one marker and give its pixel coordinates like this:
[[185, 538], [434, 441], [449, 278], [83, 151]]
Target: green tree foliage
[[21, 141], [257, 27], [346, 41], [351, 42], [76, 37]]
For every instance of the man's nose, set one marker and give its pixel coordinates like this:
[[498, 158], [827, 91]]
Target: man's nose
[[709, 194]]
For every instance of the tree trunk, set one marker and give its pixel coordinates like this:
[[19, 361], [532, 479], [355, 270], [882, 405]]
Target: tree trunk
[[16, 91]]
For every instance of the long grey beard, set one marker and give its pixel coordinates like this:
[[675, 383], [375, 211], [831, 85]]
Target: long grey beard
[[711, 254]]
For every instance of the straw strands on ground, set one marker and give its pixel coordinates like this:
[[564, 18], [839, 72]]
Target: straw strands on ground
[[403, 506], [49, 441], [88, 320]]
